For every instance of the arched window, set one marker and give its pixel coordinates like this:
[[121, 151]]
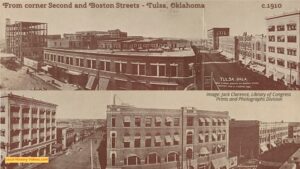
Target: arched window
[[173, 156], [189, 138], [113, 159], [133, 160], [152, 158], [189, 153]]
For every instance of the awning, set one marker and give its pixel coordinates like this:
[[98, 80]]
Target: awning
[[204, 151], [214, 136], [201, 136], [169, 119], [157, 139], [46, 68], [176, 138], [264, 148], [208, 120], [164, 83], [57, 146], [147, 137], [158, 119], [103, 84], [137, 137], [71, 72], [90, 82], [127, 139], [215, 120], [273, 144], [127, 119], [168, 139], [220, 163], [258, 68], [279, 75], [202, 120]]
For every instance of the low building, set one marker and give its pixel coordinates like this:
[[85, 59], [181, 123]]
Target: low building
[[107, 69], [166, 138], [294, 130], [252, 138], [28, 127], [65, 137]]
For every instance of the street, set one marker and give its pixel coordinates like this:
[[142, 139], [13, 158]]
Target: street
[[78, 157], [19, 80]]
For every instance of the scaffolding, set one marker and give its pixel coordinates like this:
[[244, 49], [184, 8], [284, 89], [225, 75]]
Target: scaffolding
[[26, 39]]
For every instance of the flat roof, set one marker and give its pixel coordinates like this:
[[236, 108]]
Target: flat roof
[[13, 96], [296, 12], [176, 53]]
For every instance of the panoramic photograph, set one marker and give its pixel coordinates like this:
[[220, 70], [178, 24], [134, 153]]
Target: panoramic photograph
[[167, 46], [132, 130]]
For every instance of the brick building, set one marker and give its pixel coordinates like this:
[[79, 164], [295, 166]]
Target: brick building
[[252, 138], [166, 138], [213, 37]]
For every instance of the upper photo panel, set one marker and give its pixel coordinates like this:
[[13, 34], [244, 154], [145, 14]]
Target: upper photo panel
[[150, 45]]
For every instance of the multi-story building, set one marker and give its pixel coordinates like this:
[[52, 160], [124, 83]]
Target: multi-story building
[[166, 138], [26, 40], [252, 138], [245, 48], [213, 37], [28, 127], [283, 45], [294, 130], [228, 46], [119, 69], [65, 136], [258, 61]]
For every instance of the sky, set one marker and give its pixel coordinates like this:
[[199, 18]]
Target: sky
[[92, 104], [239, 15]]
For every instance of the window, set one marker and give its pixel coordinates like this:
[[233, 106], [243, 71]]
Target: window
[[280, 50], [67, 60], [271, 49], [152, 158], [280, 27], [173, 70], [81, 62], [126, 121], [189, 138], [71, 61], [120, 67], [77, 62], [271, 60], [148, 122], [162, 70], [292, 65], [291, 26], [291, 52], [281, 38], [153, 69], [94, 64], [2, 132], [291, 38], [201, 137], [157, 140], [280, 62], [113, 140], [137, 122], [272, 38], [190, 121], [89, 63], [2, 120], [126, 140], [157, 121], [168, 121], [133, 160], [137, 142], [271, 28], [214, 136], [105, 65], [176, 121], [206, 136], [113, 122], [189, 153], [172, 157], [113, 159], [2, 108], [148, 140]]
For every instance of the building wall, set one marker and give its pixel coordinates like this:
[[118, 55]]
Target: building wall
[[283, 64], [228, 46], [117, 115], [213, 36], [28, 128], [178, 77]]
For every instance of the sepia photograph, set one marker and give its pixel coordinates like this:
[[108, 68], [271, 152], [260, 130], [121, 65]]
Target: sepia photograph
[[133, 130], [150, 45]]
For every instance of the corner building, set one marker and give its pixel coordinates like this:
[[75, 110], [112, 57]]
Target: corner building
[[28, 127], [166, 138]]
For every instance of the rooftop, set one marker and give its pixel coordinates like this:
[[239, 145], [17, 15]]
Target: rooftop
[[13, 96], [144, 53], [295, 12]]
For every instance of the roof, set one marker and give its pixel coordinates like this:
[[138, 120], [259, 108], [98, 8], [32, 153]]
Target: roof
[[296, 12], [10, 95], [176, 53]]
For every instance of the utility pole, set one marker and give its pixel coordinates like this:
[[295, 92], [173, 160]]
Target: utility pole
[[198, 69], [92, 162]]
